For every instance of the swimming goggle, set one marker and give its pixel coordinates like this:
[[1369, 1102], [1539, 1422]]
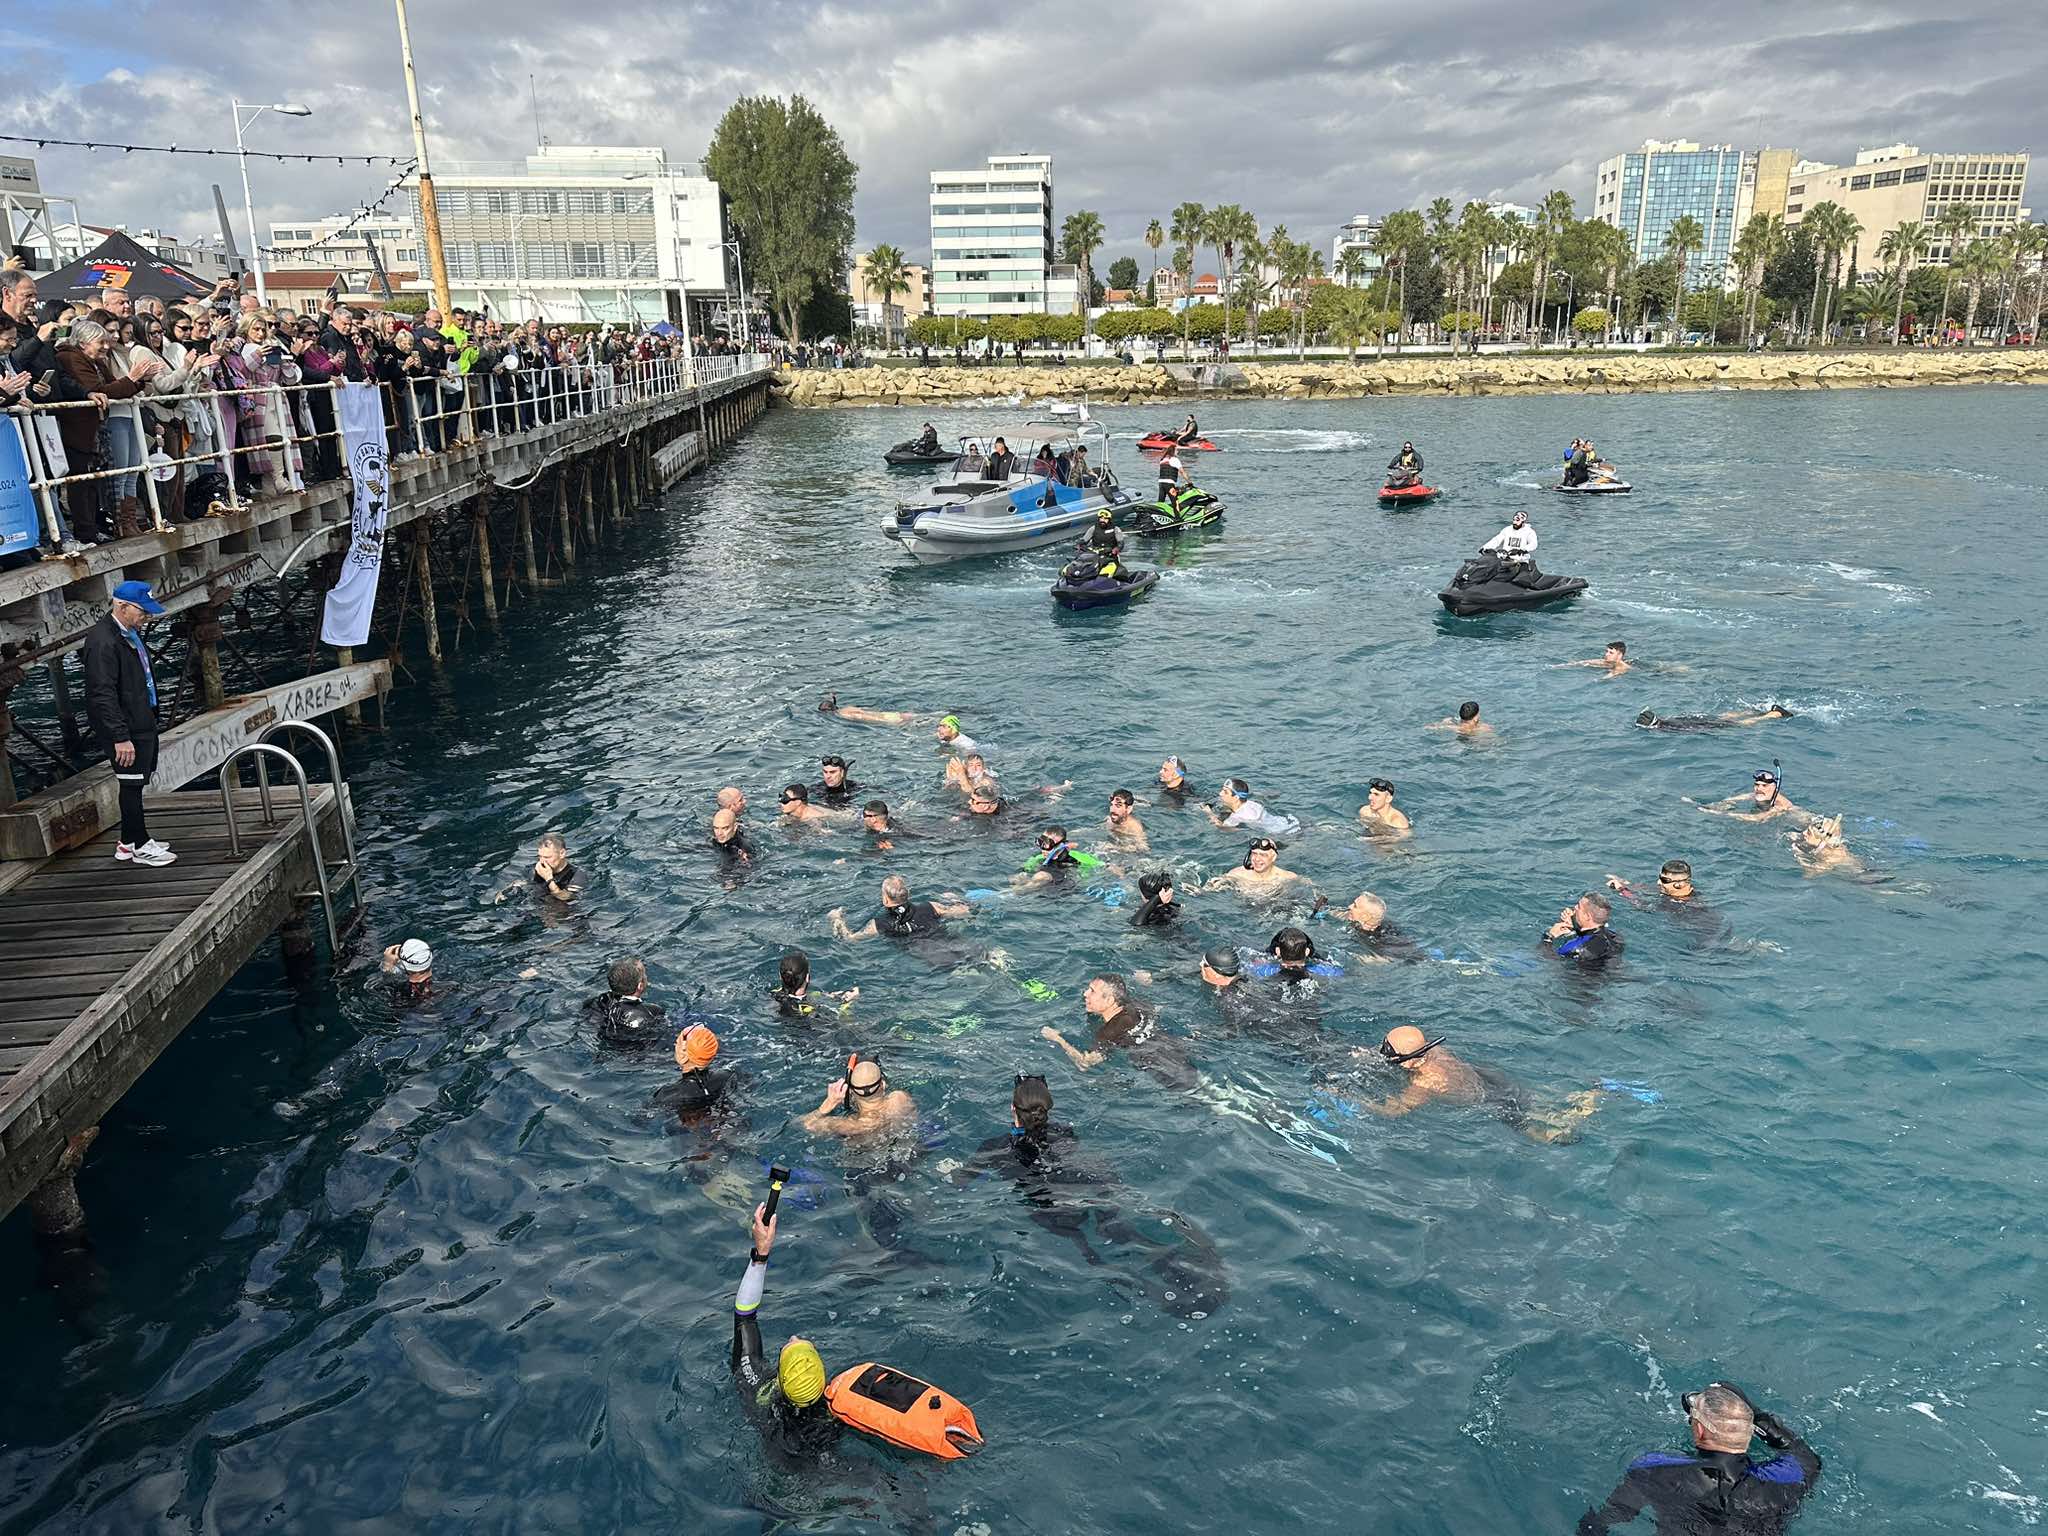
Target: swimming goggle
[[1381, 784], [833, 762], [1766, 776], [1264, 845], [1402, 1058], [1029, 1077], [789, 799], [868, 1092]]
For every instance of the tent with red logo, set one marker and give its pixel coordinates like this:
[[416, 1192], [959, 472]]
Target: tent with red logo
[[121, 263]]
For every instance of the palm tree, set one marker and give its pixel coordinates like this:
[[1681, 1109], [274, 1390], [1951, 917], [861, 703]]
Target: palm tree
[[1227, 228], [1902, 246], [1354, 320], [1251, 283], [1080, 239], [1351, 265], [1956, 221], [883, 272], [1681, 241], [1401, 234], [1187, 234], [1553, 217], [1840, 234], [1618, 251], [1982, 263], [1155, 237], [1762, 238], [2030, 243]]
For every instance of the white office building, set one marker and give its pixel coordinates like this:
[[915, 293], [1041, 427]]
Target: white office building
[[1358, 235], [341, 244], [584, 233], [992, 242]]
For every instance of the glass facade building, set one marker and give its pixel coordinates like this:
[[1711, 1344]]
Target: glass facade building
[[1645, 191]]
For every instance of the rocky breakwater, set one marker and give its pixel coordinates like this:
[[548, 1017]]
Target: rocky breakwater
[[1589, 372]]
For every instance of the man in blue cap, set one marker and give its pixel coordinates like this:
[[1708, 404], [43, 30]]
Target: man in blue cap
[[120, 705]]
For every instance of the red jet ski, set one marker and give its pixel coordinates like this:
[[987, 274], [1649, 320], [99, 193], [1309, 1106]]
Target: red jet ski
[[1159, 442], [1408, 495]]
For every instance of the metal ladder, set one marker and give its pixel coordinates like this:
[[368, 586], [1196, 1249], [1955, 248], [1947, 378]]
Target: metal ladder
[[328, 882]]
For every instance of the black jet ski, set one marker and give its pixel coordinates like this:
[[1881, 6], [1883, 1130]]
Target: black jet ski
[[1488, 584], [1193, 508], [1594, 488], [1082, 584], [913, 454]]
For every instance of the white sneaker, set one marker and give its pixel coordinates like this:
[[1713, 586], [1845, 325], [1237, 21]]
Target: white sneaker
[[151, 854], [157, 847]]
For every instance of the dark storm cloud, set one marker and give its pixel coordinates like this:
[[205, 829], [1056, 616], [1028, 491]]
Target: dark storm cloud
[[1305, 113]]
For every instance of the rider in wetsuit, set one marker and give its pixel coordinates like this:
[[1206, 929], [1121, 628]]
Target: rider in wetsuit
[[1718, 1489], [788, 1404], [623, 1018]]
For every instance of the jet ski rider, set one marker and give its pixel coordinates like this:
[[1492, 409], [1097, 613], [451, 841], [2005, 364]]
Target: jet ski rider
[[1515, 547], [928, 442], [1404, 469], [1189, 432]]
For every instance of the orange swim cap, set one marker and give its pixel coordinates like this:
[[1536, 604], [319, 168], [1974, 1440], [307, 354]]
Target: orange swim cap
[[696, 1047]]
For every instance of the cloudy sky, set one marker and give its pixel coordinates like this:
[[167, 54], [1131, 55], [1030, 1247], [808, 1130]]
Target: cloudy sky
[[1304, 113]]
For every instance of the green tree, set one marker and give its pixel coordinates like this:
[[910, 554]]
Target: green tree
[[1957, 223], [1155, 237], [1982, 265], [1123, 273], [1203, 322], [1592, 321], [1902, 246], [882, 269], [1684, 239], [1080, 239], [2030, 248], [1761, 239], [1553, 218], [1226, 228], [1189, 220], [790, 186], [1401, 234]]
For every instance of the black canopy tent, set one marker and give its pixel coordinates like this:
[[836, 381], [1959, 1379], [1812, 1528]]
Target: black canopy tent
[[119, 262]]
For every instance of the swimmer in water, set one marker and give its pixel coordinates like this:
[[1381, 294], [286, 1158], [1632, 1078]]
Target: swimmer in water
[[900, 917], [1157, 908], [953, 739], [1676, 898], [983, 801], [963, 773], [793, 996], [1121, 1025], [787, 1406], [1294, 958], [416, 959], [1056, 859], [1466, 722], [1384, 944], [731, 798], [1820, 850], [1718, 1489], [728, 837], [797, 807], [872, 1106], [1613, 661], [1173, 781], [830, 705], [1236, 798], [834, 788], [876, 822], [1260, 875], [1729, 719], [622, 1017], [1433, 1075], [699, 1090], [1765, 802], [552, 871], [1381, 816], [1123, 825], [1581, 933]]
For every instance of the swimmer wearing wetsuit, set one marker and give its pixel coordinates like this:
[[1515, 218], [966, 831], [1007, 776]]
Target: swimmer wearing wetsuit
[[788, 1405], [877, 823], [1121, 1025], [1718, 1488], [623, 1018], [552, 871], [729, 838], [699, 1090], [1727, 720], [1173, 781], [794, 998], [1581, 934], [834, 788], [1676, 898], [899, 917], [1057, 858], [1381, 941], [1157, 907]]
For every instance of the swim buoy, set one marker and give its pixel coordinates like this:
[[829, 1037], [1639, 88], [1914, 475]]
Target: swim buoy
[[902, 1410]]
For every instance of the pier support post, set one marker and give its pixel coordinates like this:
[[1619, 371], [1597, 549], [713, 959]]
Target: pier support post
[[483, 560], [524, 515], [60, 692], [295, 945], [345, 656], [423, 569], [615, 512], [6, 764], [205, 636], [562, 520], [53, 1205]]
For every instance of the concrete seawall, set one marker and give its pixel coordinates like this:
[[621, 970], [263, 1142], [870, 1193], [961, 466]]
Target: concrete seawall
[[1590, 372]]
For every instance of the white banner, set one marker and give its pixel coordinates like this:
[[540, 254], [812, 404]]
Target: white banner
[[361, 414]]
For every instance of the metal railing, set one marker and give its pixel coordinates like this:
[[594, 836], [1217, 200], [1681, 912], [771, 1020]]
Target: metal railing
[[272, 431], [262, 750]]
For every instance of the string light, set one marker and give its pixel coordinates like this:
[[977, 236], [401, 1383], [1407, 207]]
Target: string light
[[356, 218], [174, 149]]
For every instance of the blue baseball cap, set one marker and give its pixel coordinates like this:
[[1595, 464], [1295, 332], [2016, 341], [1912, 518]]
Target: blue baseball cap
[[137, 592]]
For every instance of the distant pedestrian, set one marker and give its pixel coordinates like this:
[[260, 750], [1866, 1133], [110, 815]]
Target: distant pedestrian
[[120, 705]]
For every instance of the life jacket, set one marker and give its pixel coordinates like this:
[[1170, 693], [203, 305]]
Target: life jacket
[[902, 1410]]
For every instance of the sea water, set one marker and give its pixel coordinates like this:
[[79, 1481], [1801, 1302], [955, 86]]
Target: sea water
[[361, 1268]]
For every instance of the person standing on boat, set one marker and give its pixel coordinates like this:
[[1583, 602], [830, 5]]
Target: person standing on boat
[[1001, 462]]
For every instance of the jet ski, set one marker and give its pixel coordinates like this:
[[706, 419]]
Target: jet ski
[[1193, 508], [1410, 494], [1488, 584], [1159, 442], [1082, 584], [1593, 488], [915, 455]]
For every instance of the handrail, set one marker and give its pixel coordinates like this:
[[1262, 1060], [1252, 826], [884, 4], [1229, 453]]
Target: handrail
[[227, 802], [348, 836]]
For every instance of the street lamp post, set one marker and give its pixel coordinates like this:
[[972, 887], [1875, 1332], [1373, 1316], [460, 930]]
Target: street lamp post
[[289, 109], [1568, 298], [746, 314]]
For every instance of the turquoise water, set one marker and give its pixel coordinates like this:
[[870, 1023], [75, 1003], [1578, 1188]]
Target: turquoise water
[[361, 1270]]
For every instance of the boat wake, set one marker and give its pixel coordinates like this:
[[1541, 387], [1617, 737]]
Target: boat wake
[[1291, 440]]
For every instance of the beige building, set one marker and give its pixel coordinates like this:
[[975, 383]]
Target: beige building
[[917, 301], [1898, 184]]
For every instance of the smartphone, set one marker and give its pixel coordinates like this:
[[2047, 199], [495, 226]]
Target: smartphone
[[49, 377]]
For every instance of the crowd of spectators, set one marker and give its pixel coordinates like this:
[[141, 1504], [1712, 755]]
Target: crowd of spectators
[[189, 393]]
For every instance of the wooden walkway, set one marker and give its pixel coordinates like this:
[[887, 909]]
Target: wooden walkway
[[102, 964]]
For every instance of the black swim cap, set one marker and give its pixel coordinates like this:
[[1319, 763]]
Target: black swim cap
[[1647, 717], [1222, 961], [1150, 885]]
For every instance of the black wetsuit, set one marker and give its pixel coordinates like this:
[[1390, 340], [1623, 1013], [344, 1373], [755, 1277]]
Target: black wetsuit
[[565, 877], [824, 794], [912, 920], [1710, 1492], [800, 1005], [628, 1023], [1154, 1052], [1389, 943], [793, 1434], [1157, 914], [1590, 949], [694, 1093], [1177, 793], [735, 851], [1649, 720]]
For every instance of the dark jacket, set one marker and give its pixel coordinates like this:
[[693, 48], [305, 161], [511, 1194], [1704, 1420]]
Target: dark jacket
[[81, 429], [345, 357], [117, 703], [36, 357]]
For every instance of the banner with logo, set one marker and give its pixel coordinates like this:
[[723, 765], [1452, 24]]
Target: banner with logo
[[349, 604], [18, 525]]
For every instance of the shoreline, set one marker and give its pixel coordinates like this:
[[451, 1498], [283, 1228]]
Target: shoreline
[[1592, 372]]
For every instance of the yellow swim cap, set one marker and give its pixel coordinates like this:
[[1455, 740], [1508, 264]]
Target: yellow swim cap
[[801, 1373]]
